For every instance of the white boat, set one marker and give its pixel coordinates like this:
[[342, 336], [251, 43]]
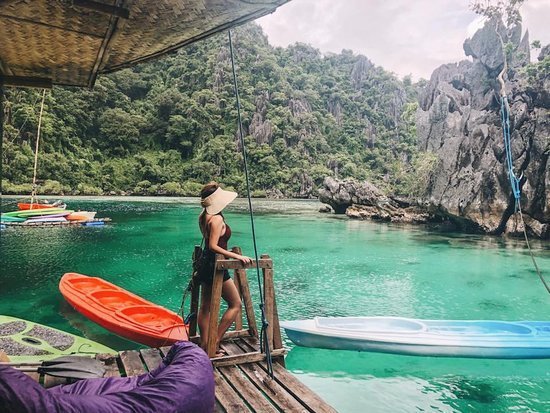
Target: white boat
[[44, 219], [443, 338]]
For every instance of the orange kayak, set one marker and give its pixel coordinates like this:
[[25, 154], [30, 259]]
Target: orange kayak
[[24, 206], [122, 312]]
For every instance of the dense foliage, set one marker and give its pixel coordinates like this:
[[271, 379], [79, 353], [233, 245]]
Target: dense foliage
[[168, 126]]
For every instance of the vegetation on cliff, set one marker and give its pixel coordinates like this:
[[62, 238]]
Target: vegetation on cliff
[[168, 126]]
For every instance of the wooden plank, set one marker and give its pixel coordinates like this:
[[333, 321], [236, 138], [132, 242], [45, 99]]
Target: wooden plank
[[164, 350], [239, 318], [244, 358], [246, 389], [300, 391], [247, 345], [268, 304], [229, 335], [276, 328], [224, 264], [247, 301], [276, 393], [195, 296], [132, 363], [110, 363], [151, 357], [215, 302], [4, 357], [235, 334], [233, 349], [295, 387], [227, 397], [277, 339]]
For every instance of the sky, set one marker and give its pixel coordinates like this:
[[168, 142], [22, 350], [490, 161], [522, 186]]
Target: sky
[[407, 37]]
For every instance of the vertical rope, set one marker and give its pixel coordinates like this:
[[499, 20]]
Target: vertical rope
[[1, 139], [263, 335], [33, 192], [514, 180]]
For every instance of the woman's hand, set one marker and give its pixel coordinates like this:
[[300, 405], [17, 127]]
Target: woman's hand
[[244, 259]]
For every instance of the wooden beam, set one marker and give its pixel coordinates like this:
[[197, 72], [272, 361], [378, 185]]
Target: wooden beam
[[246, 390], [103, 8], [111, 29], [236, 280], [269, 296], [23, 81], [229, 335], [227, 396], [237, 265], [244, 291], [132, 363], [195, 297], [215, 302], [244, 358]]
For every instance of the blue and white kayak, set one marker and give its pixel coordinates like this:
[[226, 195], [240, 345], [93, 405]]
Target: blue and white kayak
[[442, 338]]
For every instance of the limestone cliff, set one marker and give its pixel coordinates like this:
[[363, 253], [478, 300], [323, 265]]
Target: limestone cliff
[[459, 120]]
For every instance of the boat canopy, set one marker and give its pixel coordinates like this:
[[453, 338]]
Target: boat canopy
[[70, 42]]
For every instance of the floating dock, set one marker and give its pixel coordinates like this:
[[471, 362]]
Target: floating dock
[[241, 385], [26, 224]]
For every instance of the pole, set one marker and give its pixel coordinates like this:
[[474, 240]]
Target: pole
[[33, 193], [263, 335], [1, 138]]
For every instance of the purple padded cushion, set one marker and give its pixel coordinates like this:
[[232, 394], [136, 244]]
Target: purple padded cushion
[[184, 382]]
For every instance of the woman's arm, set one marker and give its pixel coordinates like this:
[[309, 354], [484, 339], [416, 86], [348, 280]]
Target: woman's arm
[[215, 227]]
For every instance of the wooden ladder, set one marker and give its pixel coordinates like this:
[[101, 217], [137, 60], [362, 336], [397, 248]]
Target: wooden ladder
[[251, 330]]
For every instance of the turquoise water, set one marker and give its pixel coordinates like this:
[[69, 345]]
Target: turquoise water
[[324, 266]]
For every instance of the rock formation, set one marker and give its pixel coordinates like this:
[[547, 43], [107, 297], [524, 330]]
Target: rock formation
[[459, 120], [365, 201]]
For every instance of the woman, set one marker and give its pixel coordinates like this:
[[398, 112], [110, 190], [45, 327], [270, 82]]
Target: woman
[[216, 234]]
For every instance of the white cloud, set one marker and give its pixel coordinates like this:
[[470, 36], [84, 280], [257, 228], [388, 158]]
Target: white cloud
[[403, 36]]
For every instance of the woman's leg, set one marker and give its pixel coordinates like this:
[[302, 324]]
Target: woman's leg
[[203, 318], [231, 296]]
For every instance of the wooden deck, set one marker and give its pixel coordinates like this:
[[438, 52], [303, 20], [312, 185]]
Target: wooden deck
[[242, 380], [245, 387]]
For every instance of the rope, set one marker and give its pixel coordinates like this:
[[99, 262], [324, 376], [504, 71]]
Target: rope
[[1, 141], [514, 180], [33, 192], [539, 273], [264, 342]]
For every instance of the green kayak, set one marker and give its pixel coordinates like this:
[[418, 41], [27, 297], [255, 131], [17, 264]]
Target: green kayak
[[4, 218], [25, 341], [36, 212]]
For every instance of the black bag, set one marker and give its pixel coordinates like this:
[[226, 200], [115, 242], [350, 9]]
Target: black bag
[[203, 264]]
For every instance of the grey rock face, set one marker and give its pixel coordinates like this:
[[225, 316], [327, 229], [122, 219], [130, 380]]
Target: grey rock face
[[259, 127], [363, 200], [486, 47], [459, 120], [545, 51]]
